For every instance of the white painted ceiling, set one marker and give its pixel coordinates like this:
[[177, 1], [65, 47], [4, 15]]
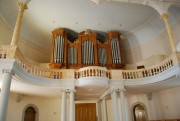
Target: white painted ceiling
[[42, 16]]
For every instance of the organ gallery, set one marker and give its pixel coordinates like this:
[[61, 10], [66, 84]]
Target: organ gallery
[[86, 50]]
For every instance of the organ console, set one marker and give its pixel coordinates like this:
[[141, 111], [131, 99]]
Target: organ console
[[86, 50]]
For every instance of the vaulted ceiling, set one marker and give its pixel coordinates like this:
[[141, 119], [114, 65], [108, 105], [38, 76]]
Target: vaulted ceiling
[[43, 16]]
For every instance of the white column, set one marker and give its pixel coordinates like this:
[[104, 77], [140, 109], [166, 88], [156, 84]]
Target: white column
[[16, 33], [104, 110], [99, 110], [123, 105], [71, 106], [63, 106], [5, 94], [172, 41], [115, 107]]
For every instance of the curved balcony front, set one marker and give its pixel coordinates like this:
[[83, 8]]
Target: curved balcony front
[[92, 75]]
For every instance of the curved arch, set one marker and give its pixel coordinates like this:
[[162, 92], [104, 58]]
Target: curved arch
[[36, 109], [132, 110]]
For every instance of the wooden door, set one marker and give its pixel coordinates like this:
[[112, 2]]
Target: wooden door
[[85, 112], [30, 114]]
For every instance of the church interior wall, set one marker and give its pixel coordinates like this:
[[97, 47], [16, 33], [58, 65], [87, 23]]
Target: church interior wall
[[153, 38], [49, 108], [30, 51], [164, 105]]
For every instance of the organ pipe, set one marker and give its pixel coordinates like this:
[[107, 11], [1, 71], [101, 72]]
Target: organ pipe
[[83, 51], [55, 51]]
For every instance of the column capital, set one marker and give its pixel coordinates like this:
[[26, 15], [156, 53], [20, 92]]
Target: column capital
[[160, 6], [22, 5], [7, 71], [164, 16], [68, 90], [118, 90]]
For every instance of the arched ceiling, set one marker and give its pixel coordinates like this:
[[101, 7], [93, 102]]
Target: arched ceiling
[[42, 16]]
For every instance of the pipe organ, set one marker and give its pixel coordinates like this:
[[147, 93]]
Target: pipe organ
[[86, 50]]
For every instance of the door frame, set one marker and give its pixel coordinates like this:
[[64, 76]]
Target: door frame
[[97, 107], [36, 109], [132, 110]]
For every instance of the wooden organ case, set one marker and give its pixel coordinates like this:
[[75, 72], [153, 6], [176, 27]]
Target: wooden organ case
[[86, 51]]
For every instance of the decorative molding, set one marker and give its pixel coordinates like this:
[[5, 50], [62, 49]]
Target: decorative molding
[[6, 65], [116, 84], [92, 81], [105, 94], [142, 25], [19, 98], [24, 76], [149, 96]]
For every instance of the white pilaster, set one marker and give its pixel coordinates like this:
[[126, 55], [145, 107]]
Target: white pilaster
[[115, 107], [123, 106], [7, 76], [63, 106], [71, 114], [104, 110]]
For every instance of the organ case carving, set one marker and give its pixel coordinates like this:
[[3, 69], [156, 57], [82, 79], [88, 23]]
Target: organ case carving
[[86, 50]]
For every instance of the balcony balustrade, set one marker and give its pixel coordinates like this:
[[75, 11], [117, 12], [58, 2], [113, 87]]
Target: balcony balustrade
[[12, 52]]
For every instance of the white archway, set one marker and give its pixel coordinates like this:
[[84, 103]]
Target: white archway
[[133, 113], [36, 109]]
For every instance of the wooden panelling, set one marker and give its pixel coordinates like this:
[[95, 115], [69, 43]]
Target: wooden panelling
[[85, 112]]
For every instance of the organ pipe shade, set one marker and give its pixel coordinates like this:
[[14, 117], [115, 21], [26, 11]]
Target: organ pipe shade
[[72, 55], [87, 52], [115, 51], [58, 49]]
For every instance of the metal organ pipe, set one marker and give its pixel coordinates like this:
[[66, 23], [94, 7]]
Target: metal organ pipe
[[75, 55], [104, 59], [84, 52], [116, 51], [55, 51], [58, 49], [58, 44], [92, 53], [119, 54], [89, 52], [72, 59], [62, 54], [112, 50], [69, 57]]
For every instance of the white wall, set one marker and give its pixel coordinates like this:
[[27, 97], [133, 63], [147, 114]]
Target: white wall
[[167, 103], [164, 104], [49, 108], [141, 98], [151, 38]]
